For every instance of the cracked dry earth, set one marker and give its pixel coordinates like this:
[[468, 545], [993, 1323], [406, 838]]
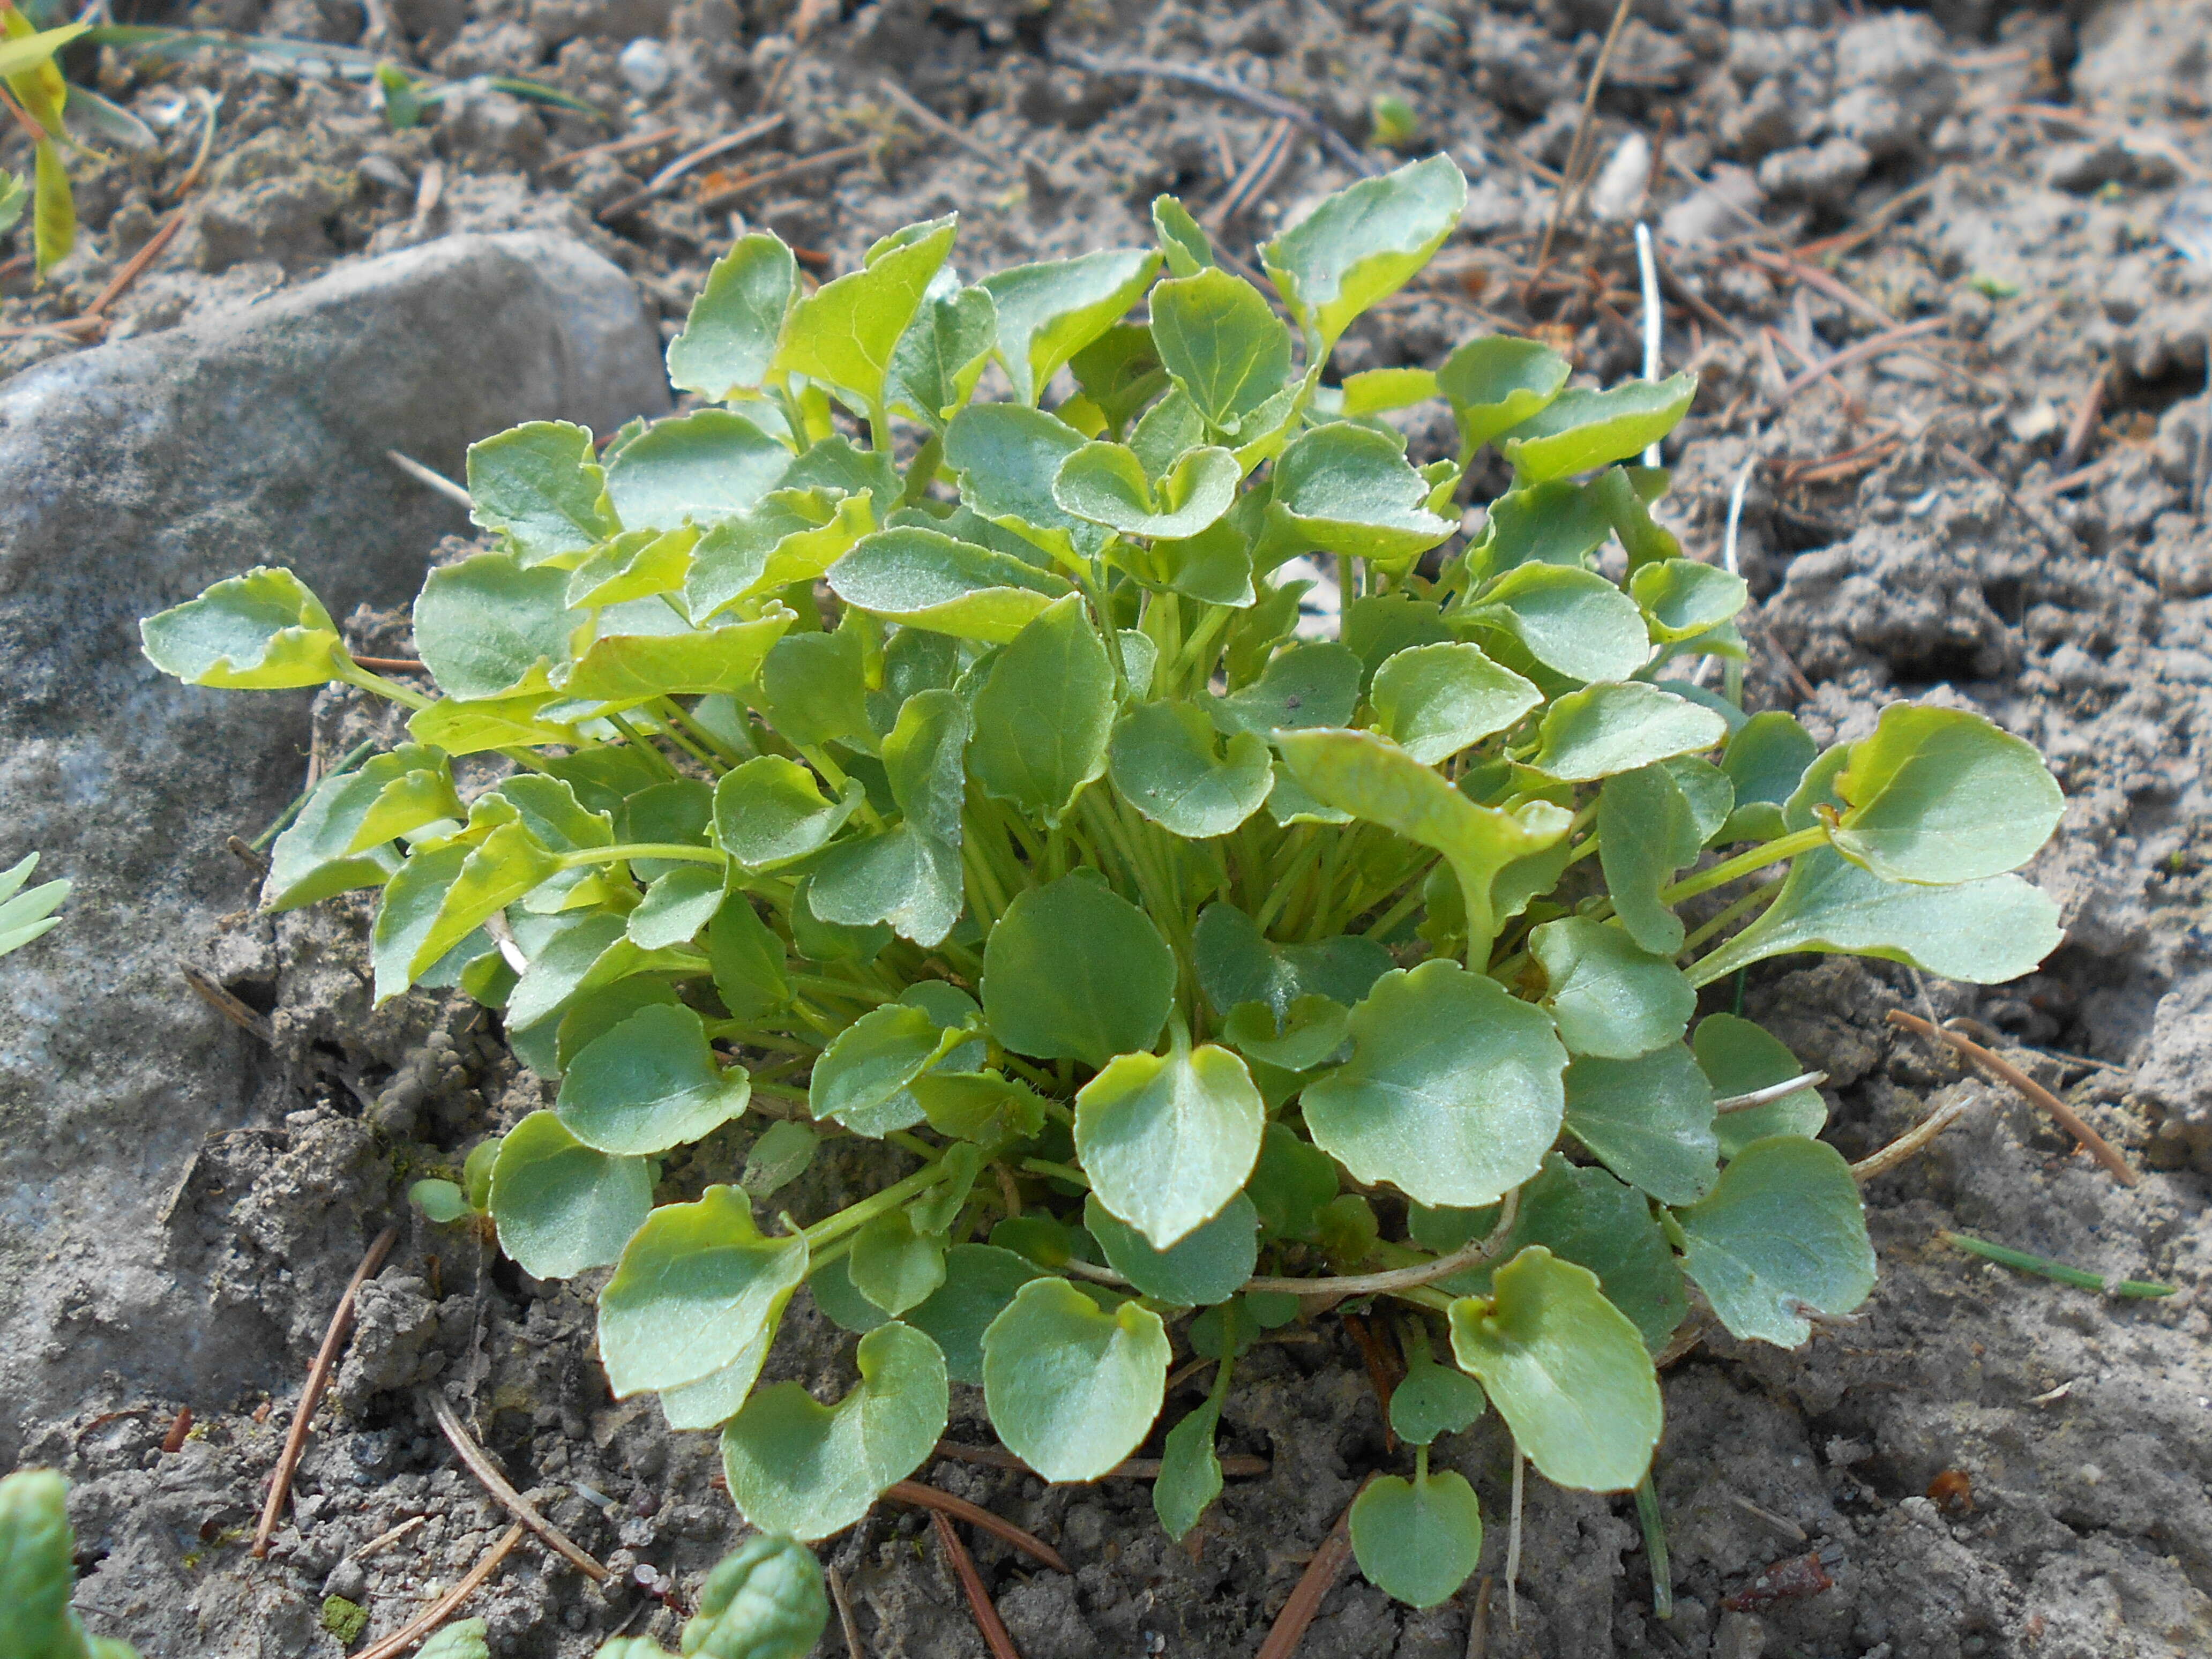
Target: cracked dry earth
[[1995, 512]]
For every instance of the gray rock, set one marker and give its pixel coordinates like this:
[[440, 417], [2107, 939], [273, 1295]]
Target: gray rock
[[2143, 56], [2177, 1074], [137, 474], [1821, 174], [1872, 119], [1906, 55]]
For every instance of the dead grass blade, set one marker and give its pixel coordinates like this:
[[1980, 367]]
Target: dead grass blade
[[493, 1482]]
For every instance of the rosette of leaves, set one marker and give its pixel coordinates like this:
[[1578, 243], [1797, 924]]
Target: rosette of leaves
[[912, 743]]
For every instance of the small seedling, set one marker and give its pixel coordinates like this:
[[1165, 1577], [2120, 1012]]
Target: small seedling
[[942, 771]]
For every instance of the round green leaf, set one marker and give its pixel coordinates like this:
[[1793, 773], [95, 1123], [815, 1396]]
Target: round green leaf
[[1603, 729], [1741, 1058], [1417, 1540], [765, 1601], [770, 813], [1349, 489], [942, 354], [1682, 598], [1782, 1235], [1073, 971], [1168, 1139], [1217, 336], [560, 1205], [894, 1266], [1182, 239], [489, 628], [1071, 1389], [263, 631], [797, 1466], [1435, 700], [926, 580], [710, 463], [441, 1201], [1168, 763], [1310, 684], [1567, 1369], [1649, 1120], [1580, 431], [1433, 1400], [1291, 1183], [1765, 760], [1572, 621], [979, 1280], [649, 1084], [1206, 1266], [1309, 1035], [1647, 830], [1582, 1214], [677, 906], [1106, 484], [697, 1284], [1453, 1091], [541, 486], [1238, 964], [1497, 382], [1610, 998], [1942, 795], [845, 332], [783, 1154]]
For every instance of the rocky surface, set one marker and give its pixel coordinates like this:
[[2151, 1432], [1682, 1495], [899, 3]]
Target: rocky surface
[[138, 473], [1984, 1464]]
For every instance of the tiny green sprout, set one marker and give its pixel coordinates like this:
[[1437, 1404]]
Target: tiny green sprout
[[38, 1571], [1395, 124], [917, 743], [27, 914], [1988, 283]]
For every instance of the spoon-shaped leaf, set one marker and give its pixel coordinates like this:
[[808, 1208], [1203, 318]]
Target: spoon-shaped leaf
[[1942, 795], [263, 631], [540, 485], [1611, 998], [1618, 727], [1741, 1058], [1567, 1369], [650, 1084], [845, 332], [1074, 971], [1362, 244], [1417, 1540], [1071, 1389], [1049, 311], [1649, 1120], [1581, 431], [1497, 382], [1227, 351], [800, 1468], [1106, 484], [1783, 1234], [561, 1206], [1167, 1141], [1206, 1266], [1453, 1091], [729, 338], [697, 1284], [924, 580], [1435, 700], [1167, 761]]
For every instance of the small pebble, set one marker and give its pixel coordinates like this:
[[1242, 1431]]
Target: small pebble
[[645, 65], [349, 1579]]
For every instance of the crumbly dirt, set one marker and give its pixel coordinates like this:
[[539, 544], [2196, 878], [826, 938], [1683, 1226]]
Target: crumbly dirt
[[1982, 1463]]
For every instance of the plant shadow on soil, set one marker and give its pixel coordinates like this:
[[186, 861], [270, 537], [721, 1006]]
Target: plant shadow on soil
[[2078, 619]]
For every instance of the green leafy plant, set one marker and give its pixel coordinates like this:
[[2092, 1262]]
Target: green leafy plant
[[35, 96], [27, 914], [38, 1571], [882, 764]]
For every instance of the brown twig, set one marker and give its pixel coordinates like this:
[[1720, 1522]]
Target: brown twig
[[493, 1482], [635, 141], [670, 176], [318, 1377], [931, 122], [846, 1622], [1844, 241], [1874, 345], [238, 1013], [416, 1629], [1313, 1587], [1478, 1624], [1222, 86], [2094, 1143], [1699, 307], [211, 102], [1571, 189], [1382, 1372], [916, 1495], [806, 166], [180, 1426], [1819, 281], [2096, 472], [393, 664], [1129, 1469], [971, 1585], [2081, 430], [241, 850], [1254, 177]]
